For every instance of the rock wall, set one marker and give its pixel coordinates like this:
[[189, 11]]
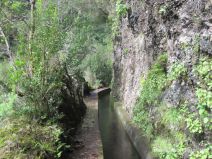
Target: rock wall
[[151, 28], [174, 112]]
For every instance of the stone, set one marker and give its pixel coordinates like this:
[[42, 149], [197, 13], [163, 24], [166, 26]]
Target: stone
[[206, 45]]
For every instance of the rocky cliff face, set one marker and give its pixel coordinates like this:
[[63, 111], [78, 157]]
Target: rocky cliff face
[[153, 27], [182, 30]]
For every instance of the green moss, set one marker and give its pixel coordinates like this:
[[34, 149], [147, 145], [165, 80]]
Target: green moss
[[161, 146], [196, 45]]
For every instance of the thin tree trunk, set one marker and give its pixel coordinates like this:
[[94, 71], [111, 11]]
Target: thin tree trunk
[[31, 34], [9, 53]]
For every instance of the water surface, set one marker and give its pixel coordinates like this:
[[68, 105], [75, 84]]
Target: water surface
[[116, 143]]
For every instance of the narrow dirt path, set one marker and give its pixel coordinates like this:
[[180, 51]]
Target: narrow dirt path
[[88, 140]]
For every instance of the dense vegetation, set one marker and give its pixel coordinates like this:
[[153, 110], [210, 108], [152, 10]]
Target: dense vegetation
[[42, 43]]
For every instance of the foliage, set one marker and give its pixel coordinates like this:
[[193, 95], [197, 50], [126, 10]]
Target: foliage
[[203, 91], [194, 124], [37, 73], [196, 44], [169, 138], [121, 9], [202, 70], [46, 42], [33, 76], [202, 154], [29, 139], [100, 63], [142, 120], [163, 9], [165, 148], [166, 129], [153, 84], [177, 70], [6, 104], [151, 88], [171, 118]]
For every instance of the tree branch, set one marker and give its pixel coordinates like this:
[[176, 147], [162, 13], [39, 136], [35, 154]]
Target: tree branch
[[9, 53]]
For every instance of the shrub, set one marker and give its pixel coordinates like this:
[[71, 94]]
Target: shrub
[[154, 83], [121, 9], [177, 70], [151, 88], [21, 138]]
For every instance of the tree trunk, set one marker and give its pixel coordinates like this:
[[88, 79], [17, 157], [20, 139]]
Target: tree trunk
[[31, 35], [9, 53]]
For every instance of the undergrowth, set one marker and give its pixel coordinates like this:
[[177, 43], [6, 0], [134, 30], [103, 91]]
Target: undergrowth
[[22, 136]]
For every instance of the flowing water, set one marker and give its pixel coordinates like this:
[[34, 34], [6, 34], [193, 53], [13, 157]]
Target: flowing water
[[116, 143]]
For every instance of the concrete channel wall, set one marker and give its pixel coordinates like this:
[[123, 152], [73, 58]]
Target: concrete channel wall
[[139, 141]]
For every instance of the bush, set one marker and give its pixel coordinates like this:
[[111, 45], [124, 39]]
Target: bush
[[121, 8], [151, 89], [21, 138], [154, 83]]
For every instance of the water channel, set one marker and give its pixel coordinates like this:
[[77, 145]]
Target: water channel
[[116, 143]]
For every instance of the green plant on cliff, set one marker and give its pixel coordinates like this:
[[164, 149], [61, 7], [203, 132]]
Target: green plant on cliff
[[154, 83], [165, 147], [177, 70], [142, 120], [196, 44], [168, 125], [171, 118], [151, 89], [169, 139], [119, 11], [121, 8], [163, 9], [202, 154], [194, 124], [203, 90]]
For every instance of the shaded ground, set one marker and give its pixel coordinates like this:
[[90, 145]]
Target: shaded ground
[[88, 143]]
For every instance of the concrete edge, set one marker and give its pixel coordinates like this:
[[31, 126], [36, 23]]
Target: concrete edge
[[140, 142], [103, 91]]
